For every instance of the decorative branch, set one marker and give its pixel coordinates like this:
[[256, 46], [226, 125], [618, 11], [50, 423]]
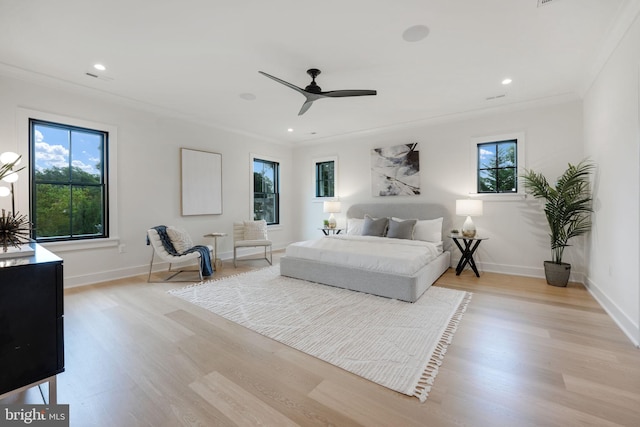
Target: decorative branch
[[14, 230]]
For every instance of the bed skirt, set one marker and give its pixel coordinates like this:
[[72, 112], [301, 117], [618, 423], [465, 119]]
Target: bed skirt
[[404, 288]]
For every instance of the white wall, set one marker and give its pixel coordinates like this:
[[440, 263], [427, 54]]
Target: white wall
[[612, 139], [517, 231], [148, 168]]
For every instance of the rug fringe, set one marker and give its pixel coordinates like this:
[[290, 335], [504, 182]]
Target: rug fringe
[[423, 387]]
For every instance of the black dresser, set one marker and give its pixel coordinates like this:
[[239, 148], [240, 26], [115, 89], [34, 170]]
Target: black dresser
[[31, 320]]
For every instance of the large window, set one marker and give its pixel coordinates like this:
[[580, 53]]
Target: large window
[[69, 190], [266, 197], [325, 178], [498, 167]]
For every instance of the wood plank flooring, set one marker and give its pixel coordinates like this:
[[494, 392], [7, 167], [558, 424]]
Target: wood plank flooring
[[525, 354]]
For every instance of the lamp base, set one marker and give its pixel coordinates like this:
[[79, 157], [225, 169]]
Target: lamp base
[[468, 228], [332, 221]]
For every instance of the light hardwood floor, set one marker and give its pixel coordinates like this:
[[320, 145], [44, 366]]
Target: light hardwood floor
[[525, 354]]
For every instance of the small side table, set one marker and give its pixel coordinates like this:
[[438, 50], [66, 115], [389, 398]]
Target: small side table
[[470, 246], [216, 261], [328, 231]]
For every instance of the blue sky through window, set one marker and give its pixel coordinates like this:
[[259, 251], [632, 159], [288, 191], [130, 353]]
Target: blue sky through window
[[57, 147]]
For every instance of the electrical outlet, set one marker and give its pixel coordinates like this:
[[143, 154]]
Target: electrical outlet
[[122, 248]]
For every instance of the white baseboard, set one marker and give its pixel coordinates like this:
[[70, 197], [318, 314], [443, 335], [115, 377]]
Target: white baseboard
[[630, 328], [517, 270], [626, 324], [105, 276]]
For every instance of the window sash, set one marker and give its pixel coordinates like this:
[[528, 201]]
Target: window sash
[[325, 184], [266, 197], [497, 167], [81, 197]]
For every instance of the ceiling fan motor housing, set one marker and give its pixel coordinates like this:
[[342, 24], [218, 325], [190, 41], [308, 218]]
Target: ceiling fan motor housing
[[313, 86]]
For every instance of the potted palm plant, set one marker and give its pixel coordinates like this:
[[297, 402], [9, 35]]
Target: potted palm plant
[[567, 206]]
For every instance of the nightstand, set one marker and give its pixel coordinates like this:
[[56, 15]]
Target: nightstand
[[470, 246], [328, 231]]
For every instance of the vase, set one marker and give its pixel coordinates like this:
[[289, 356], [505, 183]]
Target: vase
[[557, 274]]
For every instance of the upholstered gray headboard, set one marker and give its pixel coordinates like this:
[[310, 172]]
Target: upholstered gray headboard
[[405, 211]]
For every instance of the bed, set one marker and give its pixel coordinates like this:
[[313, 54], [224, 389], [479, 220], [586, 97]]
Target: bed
[[398, 268]]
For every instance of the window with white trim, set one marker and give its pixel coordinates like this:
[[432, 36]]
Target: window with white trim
[[325, 177], [497, 160], [84, 156]]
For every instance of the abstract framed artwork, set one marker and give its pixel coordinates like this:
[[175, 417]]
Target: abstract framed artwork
[[395, 171]]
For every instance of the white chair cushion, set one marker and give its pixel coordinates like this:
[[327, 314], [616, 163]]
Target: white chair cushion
[[255, 230], [180, 239]]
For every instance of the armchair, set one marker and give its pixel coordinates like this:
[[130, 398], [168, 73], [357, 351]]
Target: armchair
[[173, 246], [251, 234]]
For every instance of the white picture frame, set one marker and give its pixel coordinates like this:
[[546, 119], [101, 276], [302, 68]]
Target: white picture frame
[[201, 182]]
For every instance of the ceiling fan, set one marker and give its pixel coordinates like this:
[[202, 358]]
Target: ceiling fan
[[313, 92]]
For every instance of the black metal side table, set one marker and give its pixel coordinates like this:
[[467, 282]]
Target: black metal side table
[[327, 230], [470, 246]]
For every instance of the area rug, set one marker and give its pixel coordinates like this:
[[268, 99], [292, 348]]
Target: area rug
[[396, 344]]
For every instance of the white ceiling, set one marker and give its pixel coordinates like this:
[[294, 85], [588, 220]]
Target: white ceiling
[[194, 58]]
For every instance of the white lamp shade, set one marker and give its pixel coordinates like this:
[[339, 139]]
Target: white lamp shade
[[4, 191], [469, 207], [9, 157], [12, 177], [331, 207]]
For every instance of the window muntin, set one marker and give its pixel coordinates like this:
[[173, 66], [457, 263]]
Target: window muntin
[[325, 179], [266, 197], [69, 184], [497, 169]]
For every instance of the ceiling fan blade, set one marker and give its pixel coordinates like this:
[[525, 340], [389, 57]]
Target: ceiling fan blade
[[294, 87], [343, 93], [305, 106]]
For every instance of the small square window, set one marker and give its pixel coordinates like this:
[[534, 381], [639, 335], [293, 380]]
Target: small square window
[[497, 168]]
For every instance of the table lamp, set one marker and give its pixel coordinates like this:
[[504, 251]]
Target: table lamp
[[7, 174], [468, 208], [331, 208]]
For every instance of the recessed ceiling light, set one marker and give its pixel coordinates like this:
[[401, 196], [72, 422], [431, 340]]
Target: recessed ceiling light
[[247, 96], [99, 67], [415, 33], [507, 81], [290, 130]]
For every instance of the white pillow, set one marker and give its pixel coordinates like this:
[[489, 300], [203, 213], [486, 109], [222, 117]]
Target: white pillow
[[354, 226], [428, 230], [180, 239], [255, 230]]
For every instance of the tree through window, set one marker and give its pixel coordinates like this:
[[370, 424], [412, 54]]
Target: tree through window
[[497, 167], [266, 196], [325, 184]]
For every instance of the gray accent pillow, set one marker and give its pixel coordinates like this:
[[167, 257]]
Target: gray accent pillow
[[401, 229], [374, 227]]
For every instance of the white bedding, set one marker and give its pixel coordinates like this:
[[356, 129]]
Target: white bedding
[[382, 254]]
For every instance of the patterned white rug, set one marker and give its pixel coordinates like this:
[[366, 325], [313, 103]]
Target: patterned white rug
[[396, 344]]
